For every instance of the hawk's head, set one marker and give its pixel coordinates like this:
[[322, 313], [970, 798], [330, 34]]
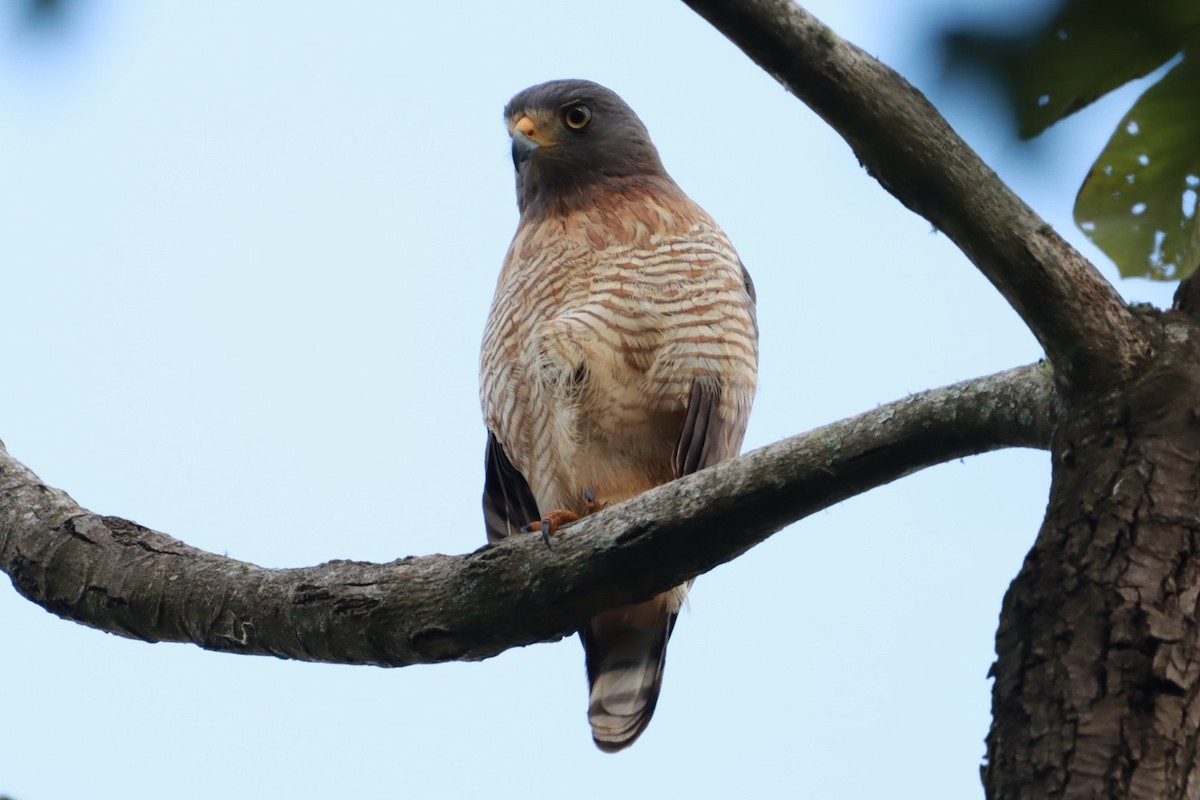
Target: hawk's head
[[571, 135]]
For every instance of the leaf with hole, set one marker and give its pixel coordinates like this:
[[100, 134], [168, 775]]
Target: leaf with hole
[[1138, 203]]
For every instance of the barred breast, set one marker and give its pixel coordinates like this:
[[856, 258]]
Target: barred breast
[[604, 321]]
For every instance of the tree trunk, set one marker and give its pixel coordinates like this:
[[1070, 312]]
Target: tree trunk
[[1098, 669]]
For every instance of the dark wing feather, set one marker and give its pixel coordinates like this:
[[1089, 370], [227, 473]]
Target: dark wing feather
[[507, 501], [703, 439], [700, 438], [748, 282]]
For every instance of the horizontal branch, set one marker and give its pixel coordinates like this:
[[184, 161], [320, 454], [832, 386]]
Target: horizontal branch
[[115, 575], [1087, 331]]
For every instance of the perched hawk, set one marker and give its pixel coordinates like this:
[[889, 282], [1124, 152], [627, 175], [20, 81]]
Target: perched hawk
[[621, 352]]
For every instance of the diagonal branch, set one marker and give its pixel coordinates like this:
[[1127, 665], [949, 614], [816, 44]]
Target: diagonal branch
[[1086, 329], [115, 575]]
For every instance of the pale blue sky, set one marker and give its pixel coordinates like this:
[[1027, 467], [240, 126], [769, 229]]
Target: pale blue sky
[[248, 249]]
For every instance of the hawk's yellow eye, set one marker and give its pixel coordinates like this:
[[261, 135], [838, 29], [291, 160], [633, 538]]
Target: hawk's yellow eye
[[577, 117]]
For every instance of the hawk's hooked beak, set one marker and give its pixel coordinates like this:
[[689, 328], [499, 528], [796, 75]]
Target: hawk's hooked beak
[[524, 145]]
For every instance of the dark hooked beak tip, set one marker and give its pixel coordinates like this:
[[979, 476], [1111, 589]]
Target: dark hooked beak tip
[[523, 149]]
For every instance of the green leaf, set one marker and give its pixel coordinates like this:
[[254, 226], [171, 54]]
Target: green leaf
[[1094, 46], [1138, 203], [1087, 49]]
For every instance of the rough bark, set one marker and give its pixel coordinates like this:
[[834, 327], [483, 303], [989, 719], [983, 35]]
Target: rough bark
[[1087, 332], [118, 576], [1098, 670]]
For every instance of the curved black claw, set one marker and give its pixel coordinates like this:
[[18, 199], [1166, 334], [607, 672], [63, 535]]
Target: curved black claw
[[547, 527]]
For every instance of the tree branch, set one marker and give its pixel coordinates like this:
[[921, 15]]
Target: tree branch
[[1086, 329], [115, 575]]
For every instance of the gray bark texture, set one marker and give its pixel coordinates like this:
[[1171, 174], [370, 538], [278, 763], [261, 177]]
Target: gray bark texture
[[1098, 672]]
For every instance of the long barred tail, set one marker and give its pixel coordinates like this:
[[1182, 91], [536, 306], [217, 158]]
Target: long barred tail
[[626, 649]]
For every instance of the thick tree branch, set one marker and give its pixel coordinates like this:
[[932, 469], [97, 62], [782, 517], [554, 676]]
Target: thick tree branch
[[118, 576], [1086, 329]]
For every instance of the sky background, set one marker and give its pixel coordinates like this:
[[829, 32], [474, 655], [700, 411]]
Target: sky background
[[247, 253]]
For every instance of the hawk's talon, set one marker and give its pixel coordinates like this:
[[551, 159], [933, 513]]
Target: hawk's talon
[[550, 523], [593, 505]]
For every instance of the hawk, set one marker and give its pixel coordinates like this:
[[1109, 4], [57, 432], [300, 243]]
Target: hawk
[[621, 352]]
